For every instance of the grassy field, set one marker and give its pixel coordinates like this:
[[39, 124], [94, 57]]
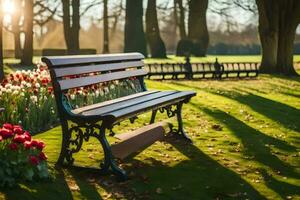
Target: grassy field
[[246, 136]]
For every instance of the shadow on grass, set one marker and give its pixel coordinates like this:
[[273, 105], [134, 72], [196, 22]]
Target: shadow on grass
[[286, 115], [204, 178], [283, 189], [56, 189], [256, 143]]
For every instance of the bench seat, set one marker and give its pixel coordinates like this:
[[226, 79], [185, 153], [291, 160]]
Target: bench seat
[[117, 109]]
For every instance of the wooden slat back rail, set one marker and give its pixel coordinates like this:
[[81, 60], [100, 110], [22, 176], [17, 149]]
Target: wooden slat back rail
[[58, 61], [68, 71], [91, 80]]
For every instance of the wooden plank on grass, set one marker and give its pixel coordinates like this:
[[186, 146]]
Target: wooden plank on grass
[[137, 140]]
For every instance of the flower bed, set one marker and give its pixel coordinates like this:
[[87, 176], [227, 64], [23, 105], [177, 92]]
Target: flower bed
[[28, 98], [21, 158]]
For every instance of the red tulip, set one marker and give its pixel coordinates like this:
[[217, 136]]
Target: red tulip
[[33, 160], [19, 139], [42, 156], [18, 130], [8, 126], [40, 145], [27, 136], [27, 144], [6, 133], [13, 146]]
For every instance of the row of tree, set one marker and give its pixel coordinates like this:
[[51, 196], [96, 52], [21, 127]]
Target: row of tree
[[278, 21]]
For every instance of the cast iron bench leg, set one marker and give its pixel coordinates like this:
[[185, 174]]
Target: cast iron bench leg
[[181, 131], [65, 153], [109, 161]]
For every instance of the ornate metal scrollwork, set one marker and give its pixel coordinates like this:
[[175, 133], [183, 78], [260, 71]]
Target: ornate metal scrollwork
[[171, 110], [78, 133]]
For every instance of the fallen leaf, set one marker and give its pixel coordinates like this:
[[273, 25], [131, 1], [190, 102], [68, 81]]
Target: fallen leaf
[[217, 127], [159, 191]]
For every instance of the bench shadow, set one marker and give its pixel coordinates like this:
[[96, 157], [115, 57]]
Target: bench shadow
[[256, 143], [199, 175]]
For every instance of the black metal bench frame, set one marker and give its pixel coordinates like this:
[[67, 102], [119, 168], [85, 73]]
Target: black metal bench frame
[[78, 126]]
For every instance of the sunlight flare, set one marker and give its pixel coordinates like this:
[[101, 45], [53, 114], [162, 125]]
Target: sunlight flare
[[8, 7]]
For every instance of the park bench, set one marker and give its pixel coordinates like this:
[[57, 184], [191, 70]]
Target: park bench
[[166, 71], [241, 69], [202, 70], [98, 119]]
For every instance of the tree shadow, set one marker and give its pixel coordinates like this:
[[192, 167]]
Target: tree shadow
[[283, 189], [256, 143], [286, 115]]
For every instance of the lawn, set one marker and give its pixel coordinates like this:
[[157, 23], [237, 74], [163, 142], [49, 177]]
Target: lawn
[[246, 137]]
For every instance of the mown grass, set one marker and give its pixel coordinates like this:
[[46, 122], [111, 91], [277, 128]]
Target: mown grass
[[246, 146]]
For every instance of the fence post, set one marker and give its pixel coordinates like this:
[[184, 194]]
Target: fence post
[[188, 68]]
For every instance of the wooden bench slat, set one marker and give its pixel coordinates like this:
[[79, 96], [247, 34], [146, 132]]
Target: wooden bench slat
[[67, 71], [151, 104], [53, 61], [128, 103], [109, 102], [90, 80]]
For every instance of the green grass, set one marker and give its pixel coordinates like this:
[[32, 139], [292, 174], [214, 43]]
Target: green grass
[[246, 137]]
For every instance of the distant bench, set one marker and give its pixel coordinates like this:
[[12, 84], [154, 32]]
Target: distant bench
[[79, 124], [202, 70]]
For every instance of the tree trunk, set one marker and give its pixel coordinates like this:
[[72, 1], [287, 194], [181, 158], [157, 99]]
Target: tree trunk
[[66, 21], [16, 29], [268, 33], [28, 29], [181, 24], [197, 26], [1, 44], [71, 30], [157, 46], [287, 29], [277, 27], [105, 28], [74, 49], [134, 32]]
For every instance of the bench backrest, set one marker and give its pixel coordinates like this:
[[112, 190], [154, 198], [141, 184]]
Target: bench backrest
[[72, 72]]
